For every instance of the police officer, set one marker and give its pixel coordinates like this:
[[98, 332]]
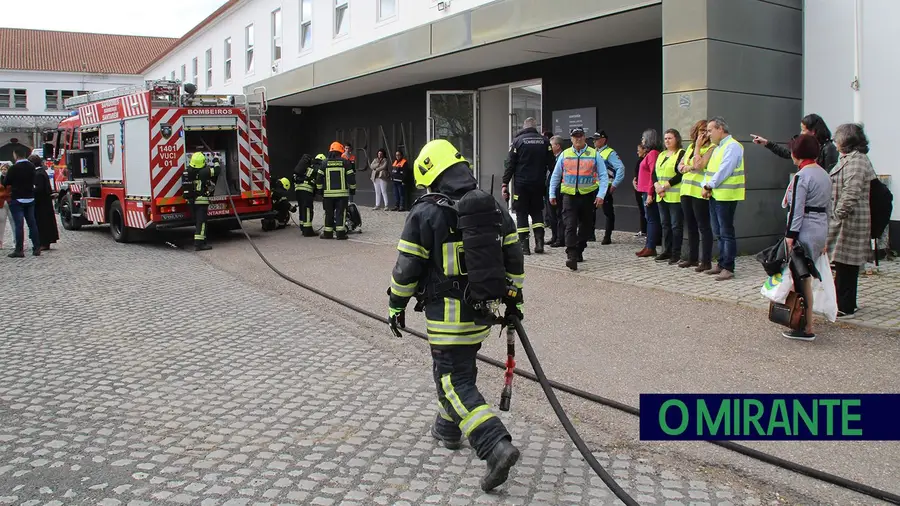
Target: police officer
[[203, 183], [453, 334], [305, 174], [281, 203], [530, 160], [580, 171], [337, 180], [615, 170]]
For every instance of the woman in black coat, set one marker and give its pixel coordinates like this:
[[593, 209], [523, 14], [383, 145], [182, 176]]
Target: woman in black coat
[[811, 124], [43, 204]]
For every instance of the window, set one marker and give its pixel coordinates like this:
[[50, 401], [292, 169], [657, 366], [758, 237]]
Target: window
[[194, 71], [341, 17], [386, 9], [56, 98], [305, 24], [228, 59], [13, 99], [183, 73], [276, 35], [208, 68], [248, 44]]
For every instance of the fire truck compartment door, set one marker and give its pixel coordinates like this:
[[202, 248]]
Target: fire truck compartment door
[[111, 152], [210, 123]]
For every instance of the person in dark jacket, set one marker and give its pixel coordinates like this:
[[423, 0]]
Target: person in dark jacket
[[20, 180], [337, 180], [44, 214], [811, 124], [400, 176], [453, 334], [530, 159]]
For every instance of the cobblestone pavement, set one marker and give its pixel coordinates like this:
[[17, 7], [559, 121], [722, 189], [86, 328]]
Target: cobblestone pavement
[[152, 377], [878, 301]]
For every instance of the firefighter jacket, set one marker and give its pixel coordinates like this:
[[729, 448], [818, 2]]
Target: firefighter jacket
[[305, 174], [530, 159], [203, 182], [336, 177], [281, 189], [431, 264]]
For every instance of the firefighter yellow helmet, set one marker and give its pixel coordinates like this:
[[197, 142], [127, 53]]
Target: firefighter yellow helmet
[[198, 160], [435, 157], [320, 156], [285, 183]]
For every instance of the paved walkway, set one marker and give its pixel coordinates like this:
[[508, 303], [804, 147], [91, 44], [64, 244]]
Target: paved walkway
[[878, 293], [151, 377]]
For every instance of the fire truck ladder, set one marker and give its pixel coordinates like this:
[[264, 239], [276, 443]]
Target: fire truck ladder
[[256, 109]]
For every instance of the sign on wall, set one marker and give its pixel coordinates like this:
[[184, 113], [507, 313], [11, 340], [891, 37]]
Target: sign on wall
[[565, 120]]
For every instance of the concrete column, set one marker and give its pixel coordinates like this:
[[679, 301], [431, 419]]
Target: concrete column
[[742, 60]]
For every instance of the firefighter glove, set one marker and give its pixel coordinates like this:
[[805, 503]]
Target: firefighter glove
[[397, 320], [515, 310]]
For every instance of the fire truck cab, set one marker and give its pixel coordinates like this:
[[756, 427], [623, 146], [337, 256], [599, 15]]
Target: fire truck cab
[[121, 157]]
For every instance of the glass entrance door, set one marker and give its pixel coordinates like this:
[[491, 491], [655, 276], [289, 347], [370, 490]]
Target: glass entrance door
[[525, 101], [452, 116]]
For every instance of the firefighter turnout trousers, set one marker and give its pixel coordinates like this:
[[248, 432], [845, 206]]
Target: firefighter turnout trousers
[[529, 202], [335, 216], [462, 411], [199, 212], [282, 212], [578, 215], [306, 201]]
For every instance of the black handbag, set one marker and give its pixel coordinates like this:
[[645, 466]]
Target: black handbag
[[774, 258], [792, 314]]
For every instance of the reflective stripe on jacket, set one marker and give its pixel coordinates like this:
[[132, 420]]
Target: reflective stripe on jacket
[[692, 182], [666, 169], [733, 187], [336, 178], [579, 172]]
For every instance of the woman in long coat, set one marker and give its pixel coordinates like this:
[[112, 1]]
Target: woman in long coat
[[851, 221], [43, 204]]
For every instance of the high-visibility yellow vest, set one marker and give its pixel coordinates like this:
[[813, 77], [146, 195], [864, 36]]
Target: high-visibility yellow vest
[[692, 182], [579, 174], [666, 169], [732, 188], [604, 153]]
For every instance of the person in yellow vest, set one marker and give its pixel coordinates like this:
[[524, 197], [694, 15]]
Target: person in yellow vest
[[615, 170], [694, 207], [667, 185], [580, 171], [723, 182]]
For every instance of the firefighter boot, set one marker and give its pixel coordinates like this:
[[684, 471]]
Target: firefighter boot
[[328, 234], [341, 235], [308, 232], [523, 240], [499, 461], [539, 240], [447, 433], [201, 246]]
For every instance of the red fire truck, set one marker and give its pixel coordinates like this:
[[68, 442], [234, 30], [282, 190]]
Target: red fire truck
[[120, 158]]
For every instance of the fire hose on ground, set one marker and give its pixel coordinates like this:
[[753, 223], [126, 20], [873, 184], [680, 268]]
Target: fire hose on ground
[[549, 385]]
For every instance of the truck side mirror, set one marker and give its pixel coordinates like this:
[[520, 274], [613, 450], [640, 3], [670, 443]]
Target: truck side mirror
[[48, 151]]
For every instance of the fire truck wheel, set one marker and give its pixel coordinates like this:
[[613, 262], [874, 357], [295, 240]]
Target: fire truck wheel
[[120, 232], [65, 214]]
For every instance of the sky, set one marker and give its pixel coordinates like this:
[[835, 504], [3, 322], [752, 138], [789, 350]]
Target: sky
[[125, 17]]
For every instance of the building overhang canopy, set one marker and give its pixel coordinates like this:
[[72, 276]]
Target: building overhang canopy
[[499, 34], [29, 122]]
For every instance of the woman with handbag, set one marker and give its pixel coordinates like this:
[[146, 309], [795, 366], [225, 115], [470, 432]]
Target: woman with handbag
[[809, 198]]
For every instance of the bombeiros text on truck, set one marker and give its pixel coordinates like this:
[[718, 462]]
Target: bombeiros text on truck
[[121, 157]]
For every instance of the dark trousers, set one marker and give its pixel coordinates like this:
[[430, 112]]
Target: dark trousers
[[305, 201], [199, 211], [529, 202], [23, 214], [672, 227], [336, 214], [554, 219], [699, 232], [578, 213], [399, 195], [846, 279], [639, 200], [610, 212], [653, 227], [282, 211], [721, 215], [462, 409]]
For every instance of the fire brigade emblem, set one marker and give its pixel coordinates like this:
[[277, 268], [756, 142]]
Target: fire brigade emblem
[[166, 130], [111, 147]]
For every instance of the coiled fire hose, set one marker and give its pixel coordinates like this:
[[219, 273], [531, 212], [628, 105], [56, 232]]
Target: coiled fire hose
[[817, 474]]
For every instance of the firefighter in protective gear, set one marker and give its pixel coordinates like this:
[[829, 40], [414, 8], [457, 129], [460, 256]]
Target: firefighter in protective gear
[[431, 265], [337, 180], [530, 159], [305, 174], [281, 203], [203, 178]]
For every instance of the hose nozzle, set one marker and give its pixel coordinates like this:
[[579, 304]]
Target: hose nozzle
[[505, 398]]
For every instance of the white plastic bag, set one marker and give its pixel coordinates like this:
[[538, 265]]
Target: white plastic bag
[[777, 287], [824, 293]]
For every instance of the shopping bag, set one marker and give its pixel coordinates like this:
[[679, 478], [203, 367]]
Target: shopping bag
[[778, 286], [824, 293]]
